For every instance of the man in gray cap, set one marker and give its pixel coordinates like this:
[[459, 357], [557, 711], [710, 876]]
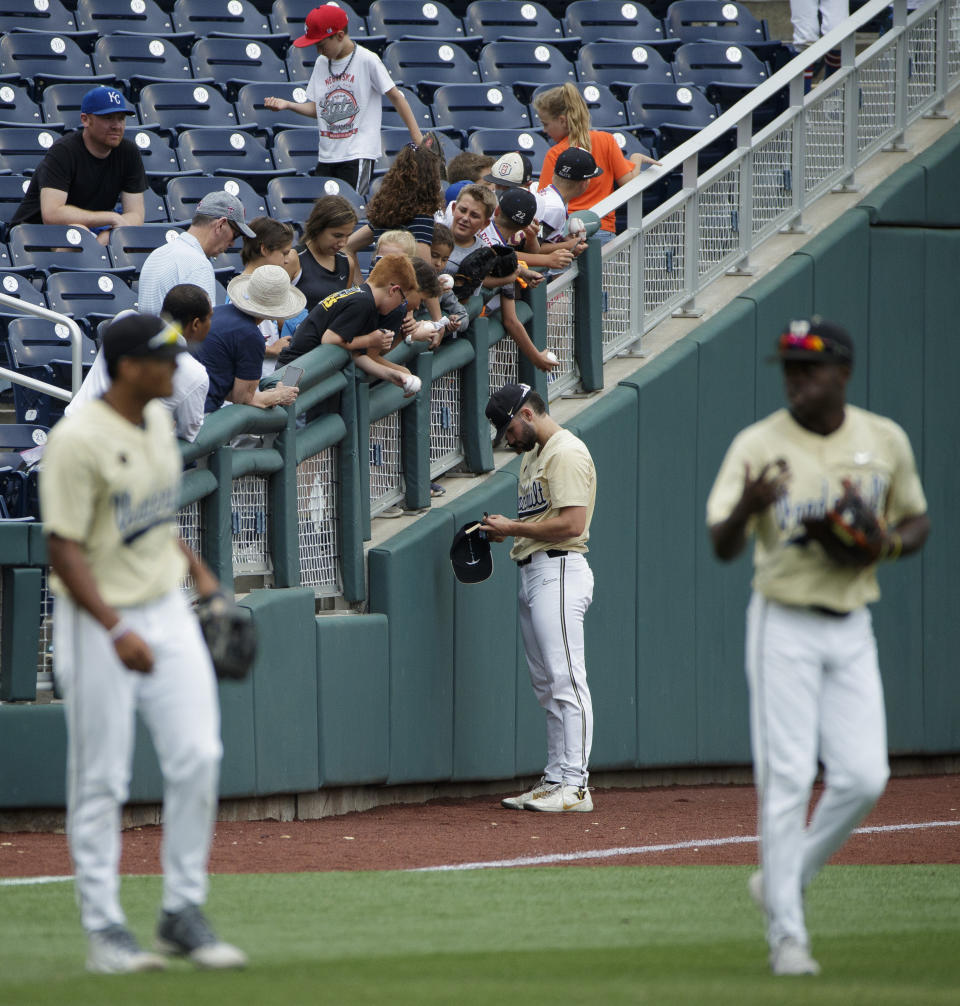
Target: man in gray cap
[[217, 221], [83, 176]]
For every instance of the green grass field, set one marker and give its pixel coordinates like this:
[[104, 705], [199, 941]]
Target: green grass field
[[661, 935]]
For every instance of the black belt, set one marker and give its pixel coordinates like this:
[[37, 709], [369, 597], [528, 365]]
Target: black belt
[[554, 553], [829, 612]]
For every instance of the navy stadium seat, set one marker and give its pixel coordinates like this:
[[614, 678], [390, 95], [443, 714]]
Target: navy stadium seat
[[295, 150], [671, 113], [17, 108], [525, 65], [496, 142], [23, 147], [60, 104], [724, 72], [713, 21], [184, 104], [291, 199], [399, 19], [252, 115], [129, 246], [89, 297], [158, 156], [421, 112], [236, 61], [110, 17], [16, 284], [29, 15], [43, 248], [208, 18], [300, 60], [140, 60], [185, 192], [40, 59], [606, 110], [623, 64], [492, 20], [612, 20], [427, 65], [478, 106], [12, 189], [226, 152], [393, 140], [154, 208]]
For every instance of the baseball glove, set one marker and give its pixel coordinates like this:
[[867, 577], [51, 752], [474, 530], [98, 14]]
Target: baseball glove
[[472, 271], [506, 262], [230, 635], [851, 533]]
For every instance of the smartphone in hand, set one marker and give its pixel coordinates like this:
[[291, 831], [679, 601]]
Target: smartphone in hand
[[292, 376]]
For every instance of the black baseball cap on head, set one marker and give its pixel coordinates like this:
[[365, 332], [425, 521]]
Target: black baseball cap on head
[[814, 340], [470, 554], [504, 405], [146, 336], [576, 164], [519, 206]]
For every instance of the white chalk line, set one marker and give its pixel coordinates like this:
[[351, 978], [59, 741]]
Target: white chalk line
[[640, 850], [566, 857]]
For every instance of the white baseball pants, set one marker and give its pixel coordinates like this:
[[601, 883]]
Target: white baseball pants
[[178, 701], [813, 18], [815, 690], [555, 593]]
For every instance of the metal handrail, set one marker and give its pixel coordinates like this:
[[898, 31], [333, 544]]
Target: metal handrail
[[76, 339], [787, 76]]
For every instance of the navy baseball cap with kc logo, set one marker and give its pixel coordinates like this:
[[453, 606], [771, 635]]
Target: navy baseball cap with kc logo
[[504, 405], [105, 101]]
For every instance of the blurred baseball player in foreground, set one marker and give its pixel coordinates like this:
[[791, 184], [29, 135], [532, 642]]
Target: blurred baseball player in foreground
[[125, 639], [829, 490], [556, 493]]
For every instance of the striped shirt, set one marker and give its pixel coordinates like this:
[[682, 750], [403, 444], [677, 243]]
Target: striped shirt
[[179, 261]]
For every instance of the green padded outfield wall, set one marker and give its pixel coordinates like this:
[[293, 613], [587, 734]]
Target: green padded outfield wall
[[432, 685]]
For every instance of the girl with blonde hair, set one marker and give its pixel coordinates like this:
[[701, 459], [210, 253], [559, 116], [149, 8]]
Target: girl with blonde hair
[[566, 120]]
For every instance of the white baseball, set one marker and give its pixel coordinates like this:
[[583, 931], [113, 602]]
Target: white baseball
[[576, 227], [552, 357], [411, 384], [446, 281]]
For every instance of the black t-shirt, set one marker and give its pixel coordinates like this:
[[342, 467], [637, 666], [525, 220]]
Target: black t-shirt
[[349, 313], [317, 282], [91, 183]]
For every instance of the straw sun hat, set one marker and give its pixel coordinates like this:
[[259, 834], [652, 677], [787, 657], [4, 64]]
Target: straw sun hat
[[266, 293]]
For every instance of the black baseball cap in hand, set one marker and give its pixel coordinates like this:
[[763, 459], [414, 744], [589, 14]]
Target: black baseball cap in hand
[[470, 554], [504, 405]]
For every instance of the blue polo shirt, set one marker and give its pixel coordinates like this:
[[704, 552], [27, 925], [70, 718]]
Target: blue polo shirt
[[234, 348]]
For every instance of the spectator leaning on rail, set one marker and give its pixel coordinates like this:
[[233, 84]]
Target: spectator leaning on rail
[[233, 351], [217, 222], [343, 95], [324, 268], [84, 175], [189, 308]]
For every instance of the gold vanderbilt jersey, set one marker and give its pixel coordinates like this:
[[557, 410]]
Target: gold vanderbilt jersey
[[870, 450], [552, 477], [114, 487]]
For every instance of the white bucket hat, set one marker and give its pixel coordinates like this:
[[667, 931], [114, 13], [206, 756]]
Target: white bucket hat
[[266, 293]]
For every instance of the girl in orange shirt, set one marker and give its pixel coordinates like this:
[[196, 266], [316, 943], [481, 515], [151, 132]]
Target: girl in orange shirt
[[566, 120]]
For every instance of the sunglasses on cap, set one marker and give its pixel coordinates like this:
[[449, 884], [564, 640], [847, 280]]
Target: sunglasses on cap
[[812, 344]]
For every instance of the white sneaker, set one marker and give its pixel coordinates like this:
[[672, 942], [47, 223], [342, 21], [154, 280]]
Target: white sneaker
[[755, 887], [561, 797], [189, 934], [790, 957], [115, 951], [517, 802]]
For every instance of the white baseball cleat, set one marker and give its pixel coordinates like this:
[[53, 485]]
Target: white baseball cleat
[[517, 802], [188, 933], [115, 951], [561, 797], [791, 957], [755, 887]]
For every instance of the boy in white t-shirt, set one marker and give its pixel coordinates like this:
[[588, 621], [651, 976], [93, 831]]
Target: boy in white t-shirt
[[343, 95]]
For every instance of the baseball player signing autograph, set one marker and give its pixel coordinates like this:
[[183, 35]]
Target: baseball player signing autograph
[[557, 489], [828, 490], [125, 639]]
